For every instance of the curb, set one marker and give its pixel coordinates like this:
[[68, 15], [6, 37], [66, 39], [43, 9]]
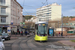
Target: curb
[[56, 37]]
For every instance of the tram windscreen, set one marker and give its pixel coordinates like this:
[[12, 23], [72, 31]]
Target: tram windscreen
[[42, 29]]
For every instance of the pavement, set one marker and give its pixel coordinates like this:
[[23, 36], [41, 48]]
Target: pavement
[[17, 36], [64, 42], [67, 43]]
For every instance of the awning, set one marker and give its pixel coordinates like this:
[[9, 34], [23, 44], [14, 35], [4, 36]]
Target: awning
[[4, 26]]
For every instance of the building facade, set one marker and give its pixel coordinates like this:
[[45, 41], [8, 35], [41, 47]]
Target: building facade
[[10, 15], [49, 12]]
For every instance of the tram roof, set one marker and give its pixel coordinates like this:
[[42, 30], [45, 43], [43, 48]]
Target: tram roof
[[41, 22]]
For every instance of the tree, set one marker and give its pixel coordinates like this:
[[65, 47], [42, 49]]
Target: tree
[[72, 16], [28, 17]]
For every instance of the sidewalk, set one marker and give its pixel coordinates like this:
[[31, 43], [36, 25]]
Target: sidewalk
[[72, 36], [15, 36], [67, 42]]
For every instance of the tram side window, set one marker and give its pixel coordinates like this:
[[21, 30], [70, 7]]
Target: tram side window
[[36, 28]]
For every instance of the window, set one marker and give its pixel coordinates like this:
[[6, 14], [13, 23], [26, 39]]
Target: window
[[2, 1], [39, 19], [3, 19], [3, 10], [47, 13]]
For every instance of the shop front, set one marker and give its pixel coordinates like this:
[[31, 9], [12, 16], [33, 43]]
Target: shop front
[[3, 29]]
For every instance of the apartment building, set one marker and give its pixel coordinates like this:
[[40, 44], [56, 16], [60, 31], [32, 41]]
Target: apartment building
[[51, 12], [10, 15]]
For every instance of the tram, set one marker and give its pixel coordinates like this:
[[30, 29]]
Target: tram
[[41, 31]]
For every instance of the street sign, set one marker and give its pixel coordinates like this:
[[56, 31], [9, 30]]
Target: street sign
[[11, 22]]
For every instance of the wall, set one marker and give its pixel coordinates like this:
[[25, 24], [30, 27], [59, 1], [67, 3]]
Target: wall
[[64, 33], [56, 13], [16, 13], [8, 18]]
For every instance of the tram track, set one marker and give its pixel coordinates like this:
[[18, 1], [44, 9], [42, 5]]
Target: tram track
[[22, 43], [28, 45], [17, 43], [25, 41]]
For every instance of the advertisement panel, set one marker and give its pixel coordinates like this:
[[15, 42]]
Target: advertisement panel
[[51, 32]]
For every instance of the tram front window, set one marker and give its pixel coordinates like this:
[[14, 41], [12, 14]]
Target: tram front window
[[42, 29]]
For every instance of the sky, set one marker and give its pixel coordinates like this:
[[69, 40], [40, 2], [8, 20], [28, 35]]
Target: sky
[[30, 6]]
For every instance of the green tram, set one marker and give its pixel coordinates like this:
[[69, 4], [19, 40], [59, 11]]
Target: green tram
[[41, 31]]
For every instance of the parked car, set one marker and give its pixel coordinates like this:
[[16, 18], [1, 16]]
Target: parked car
[[6, 36], [2, 47]]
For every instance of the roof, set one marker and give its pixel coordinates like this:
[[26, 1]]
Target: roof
[[54, 4], [41, 22], [53, 21], [73, 19], [18, 4]]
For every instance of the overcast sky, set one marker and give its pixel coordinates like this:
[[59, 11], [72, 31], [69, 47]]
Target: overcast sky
[[30, 6]]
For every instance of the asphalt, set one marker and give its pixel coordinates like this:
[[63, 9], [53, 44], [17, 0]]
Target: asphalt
[[64, 42], [22, 43], [67, 43]]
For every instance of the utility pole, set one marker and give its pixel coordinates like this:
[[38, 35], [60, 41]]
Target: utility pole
[[47, 2], [48, 11], [62, 23]]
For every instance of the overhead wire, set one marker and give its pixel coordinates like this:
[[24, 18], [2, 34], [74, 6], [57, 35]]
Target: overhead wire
[[24, 7], [30, 6], [33, 7], [44, 3]]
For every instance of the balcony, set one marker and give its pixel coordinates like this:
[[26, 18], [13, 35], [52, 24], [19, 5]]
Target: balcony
[[3, 23], [3, 5], [3, 14]]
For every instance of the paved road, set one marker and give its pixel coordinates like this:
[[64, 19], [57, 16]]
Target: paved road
[[28, 43]]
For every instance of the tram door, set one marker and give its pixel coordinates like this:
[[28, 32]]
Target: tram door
[[36, 28]]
